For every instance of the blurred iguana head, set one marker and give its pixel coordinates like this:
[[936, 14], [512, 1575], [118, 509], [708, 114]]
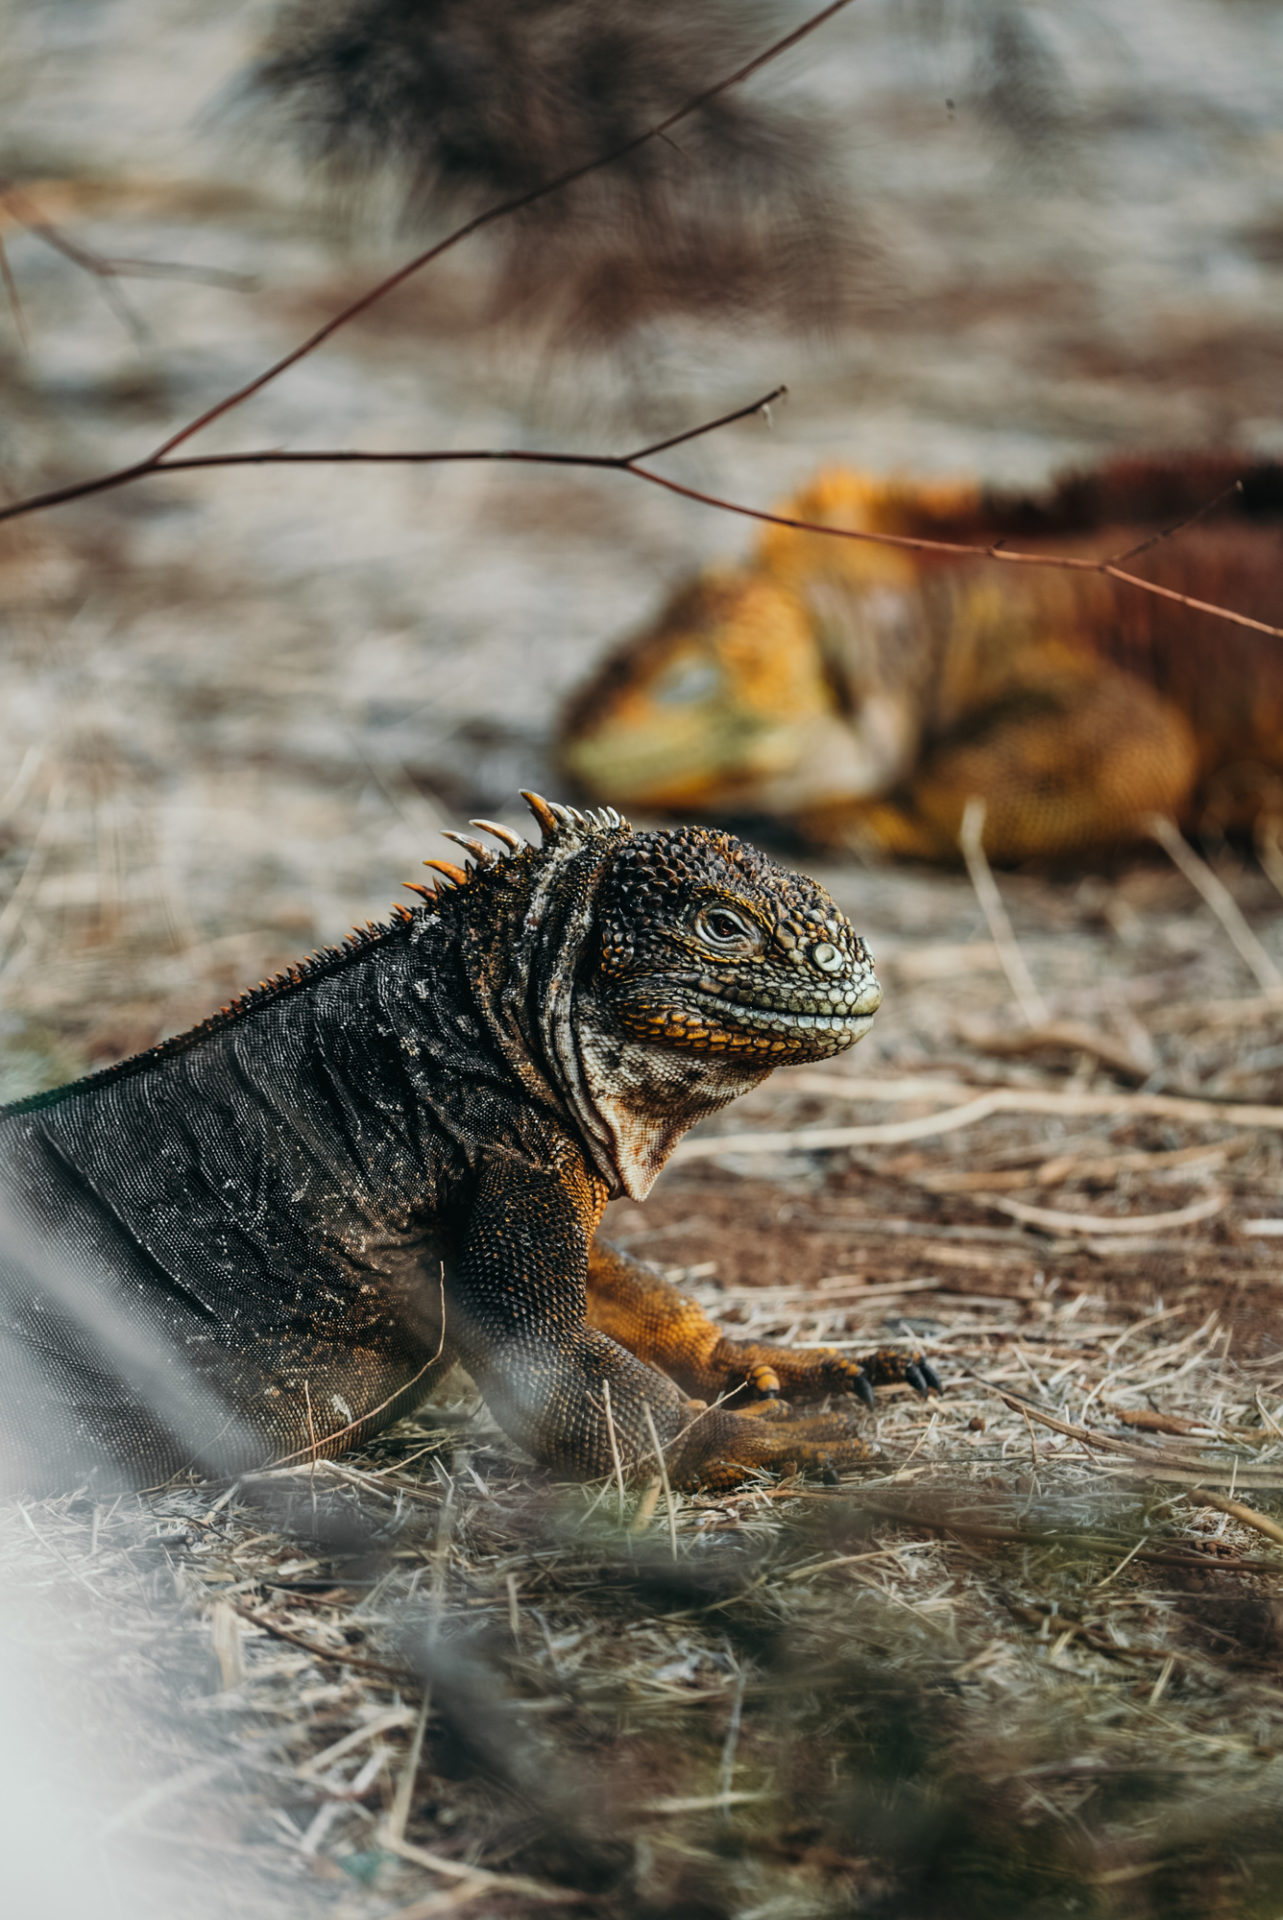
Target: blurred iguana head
[[778, 687]]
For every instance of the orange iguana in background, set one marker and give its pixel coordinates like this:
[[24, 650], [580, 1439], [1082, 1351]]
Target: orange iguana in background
[[863, 693]]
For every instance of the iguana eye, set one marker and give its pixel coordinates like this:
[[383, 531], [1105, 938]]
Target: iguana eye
[[721, 928]]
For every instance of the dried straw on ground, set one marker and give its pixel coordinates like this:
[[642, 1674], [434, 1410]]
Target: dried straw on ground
[[1026, 1663]]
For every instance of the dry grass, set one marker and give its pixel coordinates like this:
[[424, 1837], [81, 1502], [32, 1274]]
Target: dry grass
[[1027, 1664], [1014, 1669]]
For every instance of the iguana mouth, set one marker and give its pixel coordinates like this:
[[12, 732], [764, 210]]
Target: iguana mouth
[[854, 1016]]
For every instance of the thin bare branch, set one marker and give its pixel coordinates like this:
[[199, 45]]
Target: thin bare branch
[[159, 462], [1219, 899], [614, 463], [1177, 526], [981, 1106], [913, 543], [108, 266], [499, 212], [762, 406]]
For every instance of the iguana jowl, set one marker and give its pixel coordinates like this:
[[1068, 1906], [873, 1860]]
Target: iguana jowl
[[267, 1238]]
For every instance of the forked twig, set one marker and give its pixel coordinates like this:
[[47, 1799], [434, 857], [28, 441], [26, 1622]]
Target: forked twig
[[159, 461], [618, 463], [156, 461]]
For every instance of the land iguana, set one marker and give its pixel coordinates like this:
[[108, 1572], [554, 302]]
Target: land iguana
[[267, 1238], [863, 693]]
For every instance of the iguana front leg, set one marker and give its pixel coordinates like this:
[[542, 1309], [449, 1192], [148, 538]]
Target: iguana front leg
[[516, 1314], [640, 1310]]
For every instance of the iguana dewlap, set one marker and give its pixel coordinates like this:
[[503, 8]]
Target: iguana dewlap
[[864, 693], [265, 1239]]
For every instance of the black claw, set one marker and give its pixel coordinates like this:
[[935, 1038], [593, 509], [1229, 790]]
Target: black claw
[[828, 1472], [916, 1373], [930, 1375], [862, 1387]]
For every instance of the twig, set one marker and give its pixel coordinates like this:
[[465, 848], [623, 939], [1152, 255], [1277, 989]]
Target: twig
[[1161, 1462], [11, 292], [1248, 1516], [158, 461], [614, 1448], [1078, 1166], [1054, 1220], [1269, 850], [395, 1717], [1178, 526], [726, 1771], [107, 267], [496, 1882], [1219, 899], [1158, 1106], [501, 210], [399, 1675], [971, 840], [1027, 1537], [915, 543], [393, 1829], [670, 1504], [1071, 1034]]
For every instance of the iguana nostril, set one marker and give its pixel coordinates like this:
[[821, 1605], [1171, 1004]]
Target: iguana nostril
[[827, 957]]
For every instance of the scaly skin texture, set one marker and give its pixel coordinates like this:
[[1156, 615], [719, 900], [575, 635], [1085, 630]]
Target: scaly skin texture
[[865, 693], [266, 1239]]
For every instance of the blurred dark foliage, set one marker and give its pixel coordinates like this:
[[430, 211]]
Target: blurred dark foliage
[[895, 1787], [464, 103]]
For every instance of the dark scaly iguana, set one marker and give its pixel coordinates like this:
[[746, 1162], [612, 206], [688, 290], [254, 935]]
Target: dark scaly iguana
[[265, 1239], [864, 693]]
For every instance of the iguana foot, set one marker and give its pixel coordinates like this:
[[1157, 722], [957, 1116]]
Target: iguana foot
[[637, 1307], [768, 1373], [890, 1367], [821, 1446]]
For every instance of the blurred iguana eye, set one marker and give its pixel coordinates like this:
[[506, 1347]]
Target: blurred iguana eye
[[686, 682], [719, 927]]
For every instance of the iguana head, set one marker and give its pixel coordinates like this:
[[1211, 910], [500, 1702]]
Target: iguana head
[[651, 977], [781, 687], [713, 704], [706, 946]]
